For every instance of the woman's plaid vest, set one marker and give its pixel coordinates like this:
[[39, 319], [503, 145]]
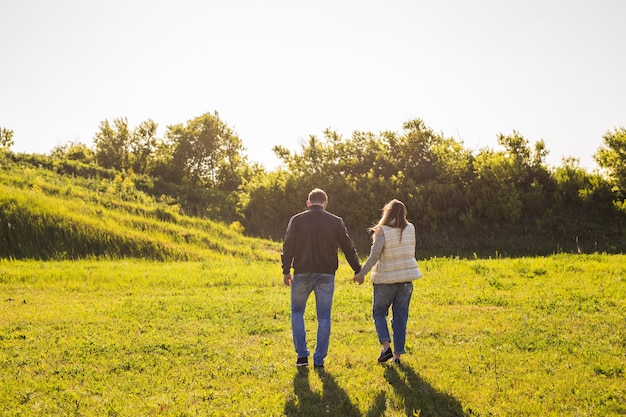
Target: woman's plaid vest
[[397, 261]]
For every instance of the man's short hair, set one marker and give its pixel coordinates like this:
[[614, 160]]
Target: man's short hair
[[317, 196]]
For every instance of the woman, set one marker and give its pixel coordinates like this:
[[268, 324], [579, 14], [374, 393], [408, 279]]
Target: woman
[[394, 267]]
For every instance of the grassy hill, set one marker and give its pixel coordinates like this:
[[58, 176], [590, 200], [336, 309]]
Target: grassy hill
[[45, 215]]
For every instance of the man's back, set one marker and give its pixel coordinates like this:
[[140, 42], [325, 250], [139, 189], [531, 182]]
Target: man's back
[[312, 240]]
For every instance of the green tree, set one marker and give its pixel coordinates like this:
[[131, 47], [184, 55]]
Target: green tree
[[205, 151], [6, 138], [142, 146], [265, 204], [318, 158], [571, 181], [495, 195], [161, 165], [513, 184], [75, 151], [112, 144], [413, 152], [119, 147], [612, 157]]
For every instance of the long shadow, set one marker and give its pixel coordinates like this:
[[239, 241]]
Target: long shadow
[[333, 400], [420, 398], [379, 407]]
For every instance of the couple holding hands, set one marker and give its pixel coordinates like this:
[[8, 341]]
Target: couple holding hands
[[310, 247]]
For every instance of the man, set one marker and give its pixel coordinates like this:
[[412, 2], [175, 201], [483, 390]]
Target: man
[[310, 247]]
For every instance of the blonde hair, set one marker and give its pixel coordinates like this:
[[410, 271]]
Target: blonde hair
[[394, 215]]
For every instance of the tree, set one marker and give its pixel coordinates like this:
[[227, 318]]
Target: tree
[[494, 193], [205, 151], [266, 204], [312, 161], [6, 138], [612, 157], [413, 152], [142, 146], [571, 180], [112, 144], [75, 151], [120, 148]]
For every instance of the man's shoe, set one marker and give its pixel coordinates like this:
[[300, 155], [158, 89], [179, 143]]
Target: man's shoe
[[303, 361], [318, 366], [385, 356], [396, 361]]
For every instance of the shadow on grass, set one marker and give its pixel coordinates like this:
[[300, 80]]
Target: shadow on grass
[[333, 400], [420, 398]]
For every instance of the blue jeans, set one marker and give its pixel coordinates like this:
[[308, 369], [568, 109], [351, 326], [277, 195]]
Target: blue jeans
[[323, 286], [398, 296]]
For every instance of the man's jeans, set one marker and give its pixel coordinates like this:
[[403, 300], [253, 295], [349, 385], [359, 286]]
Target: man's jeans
[[398, 296], [323, 286]]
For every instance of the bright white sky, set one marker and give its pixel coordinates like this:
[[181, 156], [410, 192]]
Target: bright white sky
[[278, 71]]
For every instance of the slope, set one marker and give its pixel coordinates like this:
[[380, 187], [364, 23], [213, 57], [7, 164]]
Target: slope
[[45, 215]]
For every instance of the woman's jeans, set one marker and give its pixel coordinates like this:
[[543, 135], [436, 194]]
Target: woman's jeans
[[323, 286], [398, 296]]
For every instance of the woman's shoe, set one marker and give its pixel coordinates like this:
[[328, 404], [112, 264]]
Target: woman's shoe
[[385, 356]]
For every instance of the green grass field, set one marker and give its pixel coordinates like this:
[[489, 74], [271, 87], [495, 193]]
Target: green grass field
[[494, 337]]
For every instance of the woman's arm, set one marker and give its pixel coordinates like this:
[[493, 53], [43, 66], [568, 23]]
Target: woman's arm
[[375, 251]]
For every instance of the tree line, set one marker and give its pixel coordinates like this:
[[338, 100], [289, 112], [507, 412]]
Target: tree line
[[489, 202]]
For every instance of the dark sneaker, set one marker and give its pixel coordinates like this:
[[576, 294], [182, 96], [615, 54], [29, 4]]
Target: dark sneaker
[[318, 366], [302, 361], [396, 361], [385, 356]]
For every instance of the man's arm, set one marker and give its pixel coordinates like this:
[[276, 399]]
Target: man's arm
[[287, 254], [349, 250]]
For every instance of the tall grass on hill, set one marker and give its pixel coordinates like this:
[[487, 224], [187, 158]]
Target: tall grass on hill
[[486, 337], [47, 216]]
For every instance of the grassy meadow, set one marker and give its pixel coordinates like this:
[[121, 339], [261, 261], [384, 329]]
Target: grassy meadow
[[486, 337]]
